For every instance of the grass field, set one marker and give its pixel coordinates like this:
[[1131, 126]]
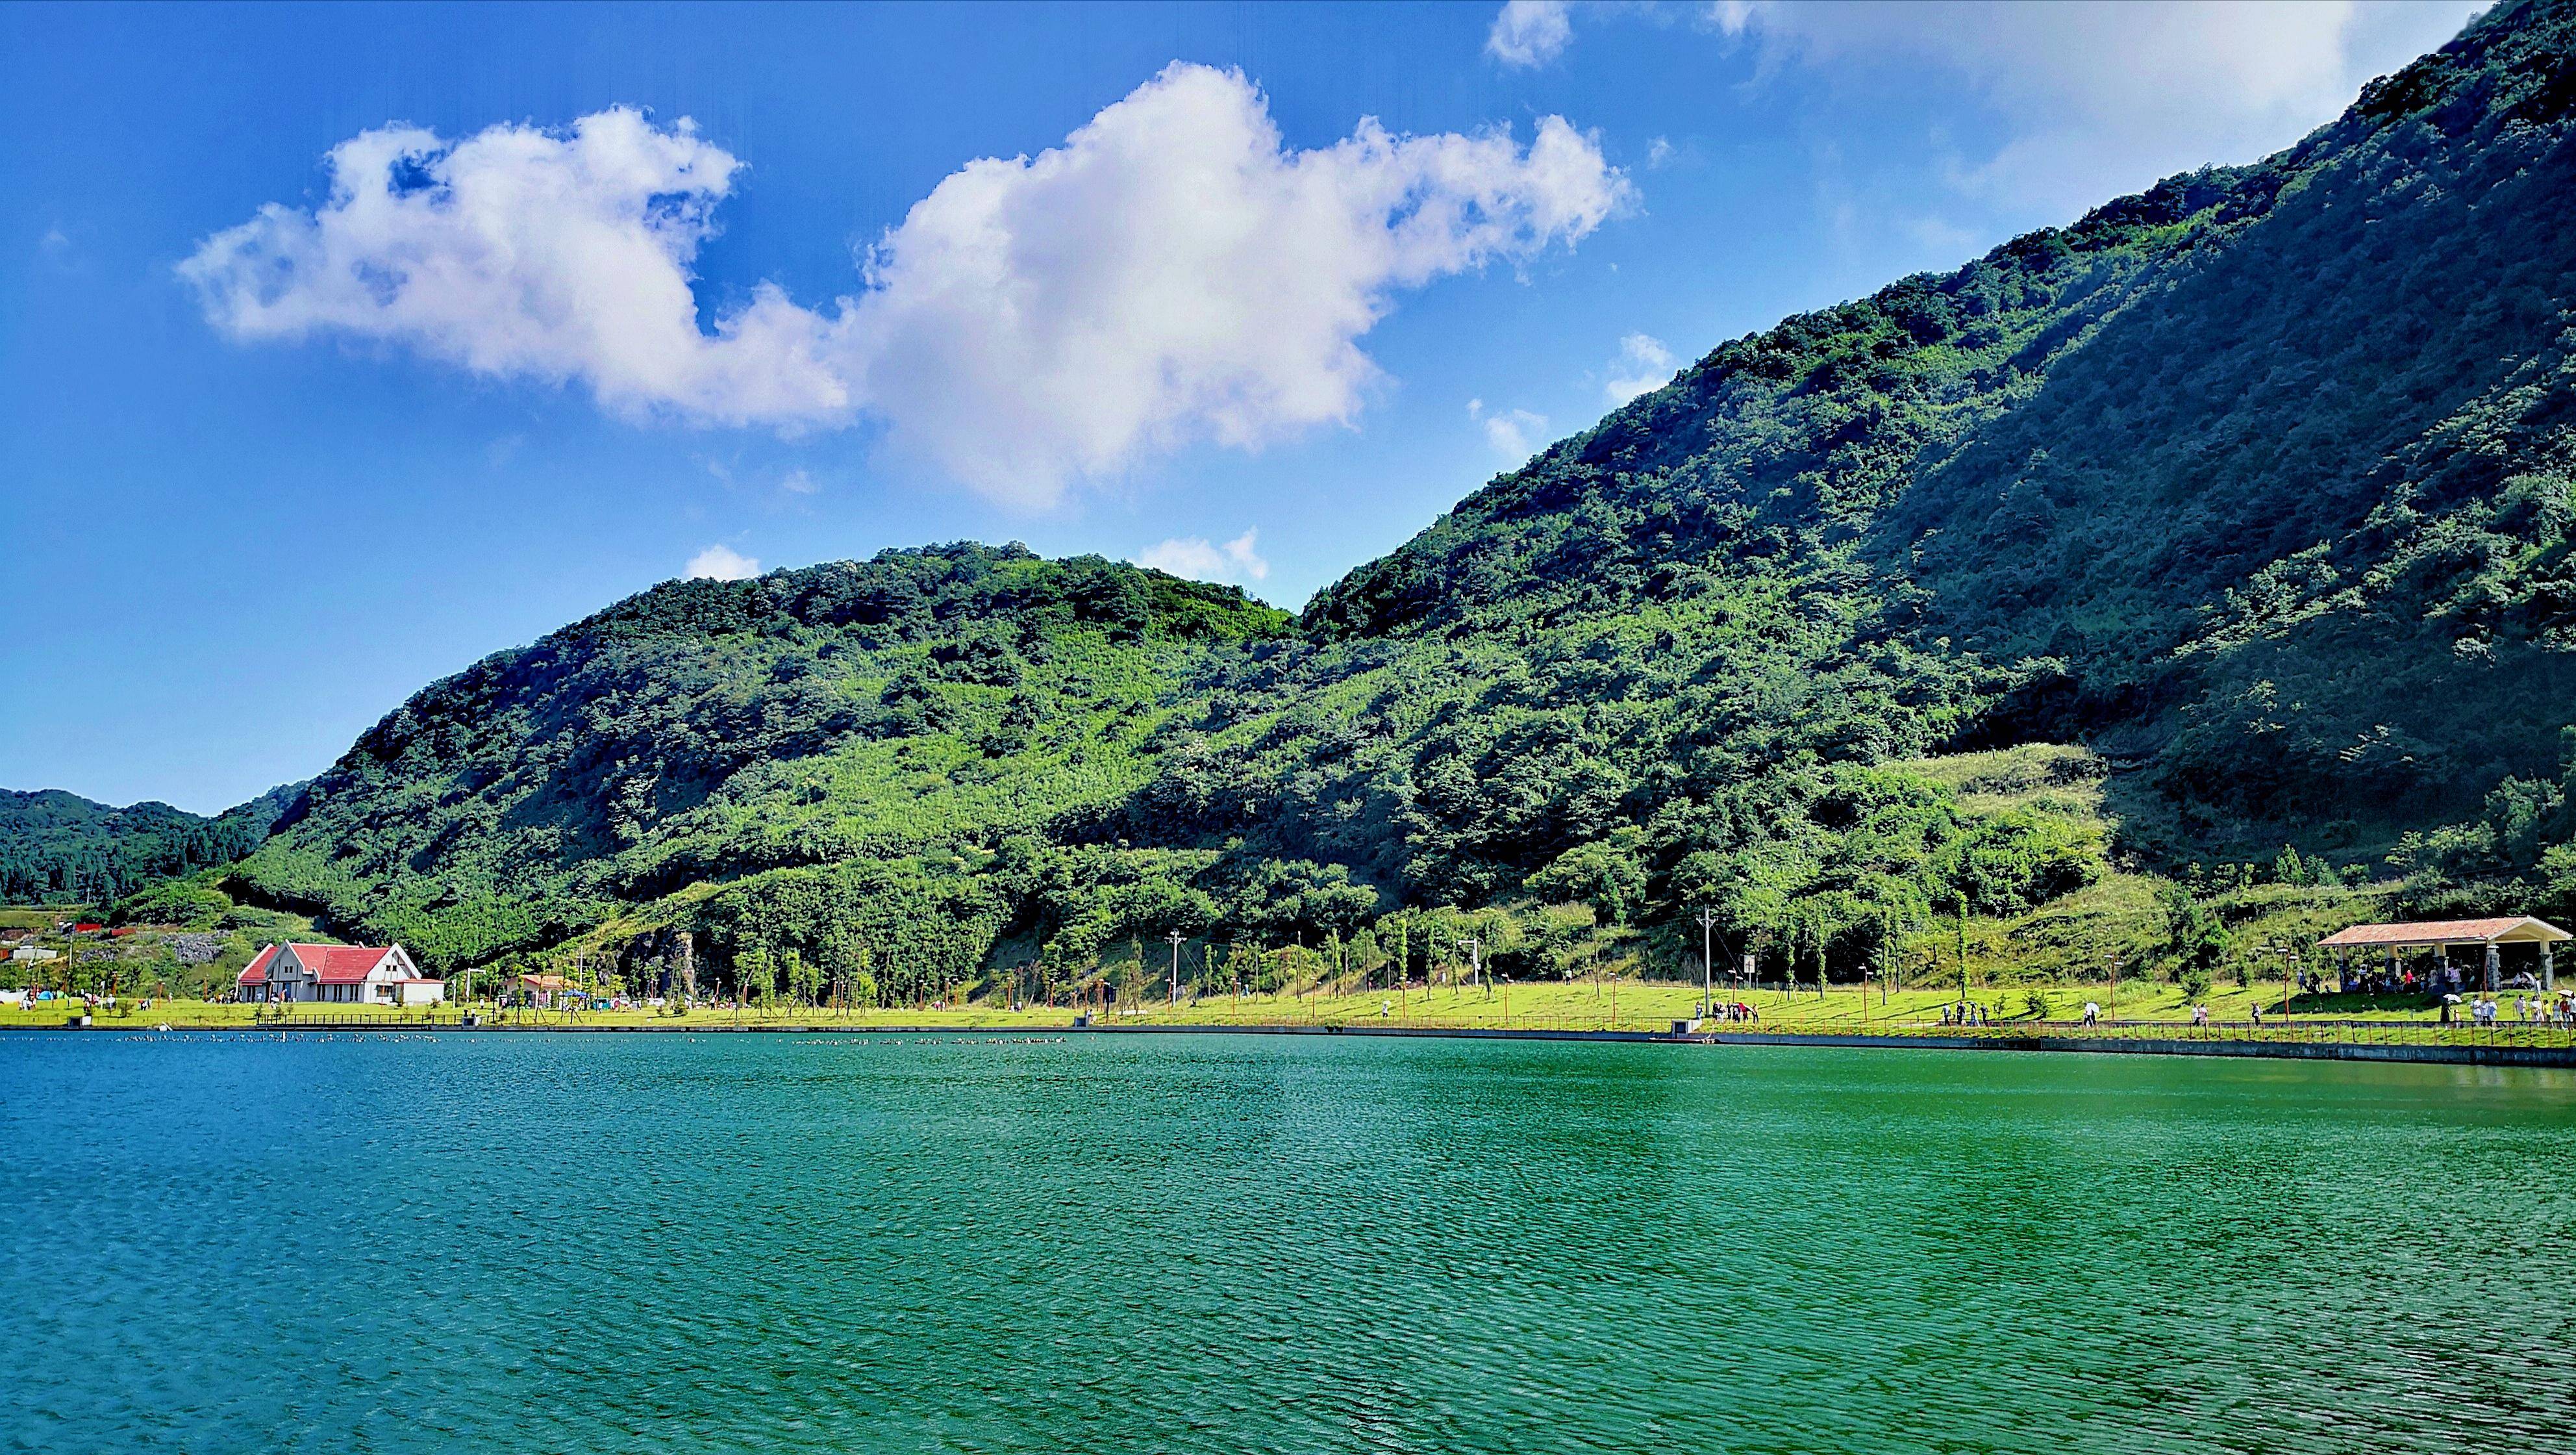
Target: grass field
[[1631, 1006]]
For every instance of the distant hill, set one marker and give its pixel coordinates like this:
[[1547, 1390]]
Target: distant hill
[[2261, 485], [59, 847], [892, 714]]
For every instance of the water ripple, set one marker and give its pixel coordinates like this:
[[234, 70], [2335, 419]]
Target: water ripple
[[1183, 1244]]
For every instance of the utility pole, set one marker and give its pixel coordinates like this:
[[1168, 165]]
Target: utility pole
[[1963, 949], [1175, 937], [1476, 963], [1707, 961]]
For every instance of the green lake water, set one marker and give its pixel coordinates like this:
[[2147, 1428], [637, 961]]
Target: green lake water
[[1210, 1243]]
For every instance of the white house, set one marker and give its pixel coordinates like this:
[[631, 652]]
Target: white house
[[34, 952], [347, 974]]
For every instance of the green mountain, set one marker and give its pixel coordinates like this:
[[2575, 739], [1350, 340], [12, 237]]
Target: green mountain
[[2260, 485], [61, 848]]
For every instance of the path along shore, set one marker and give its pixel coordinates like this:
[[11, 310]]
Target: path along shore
[[2327, 1040]]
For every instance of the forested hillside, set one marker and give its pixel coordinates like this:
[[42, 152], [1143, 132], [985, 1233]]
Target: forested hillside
[[58, 847], [2260, 485], [885, 718]]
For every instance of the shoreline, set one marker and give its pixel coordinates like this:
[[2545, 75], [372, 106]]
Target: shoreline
[[2462, 1052]]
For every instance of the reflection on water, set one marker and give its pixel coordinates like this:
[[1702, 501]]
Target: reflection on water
[[907, 1243]]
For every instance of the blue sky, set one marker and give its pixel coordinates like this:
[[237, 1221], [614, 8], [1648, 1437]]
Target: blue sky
[[612, 294]]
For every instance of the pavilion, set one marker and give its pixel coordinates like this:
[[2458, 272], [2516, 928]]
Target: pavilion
[[2441, 934]]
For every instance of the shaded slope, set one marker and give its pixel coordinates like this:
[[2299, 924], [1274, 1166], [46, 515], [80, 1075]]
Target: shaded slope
[[2297, 526]]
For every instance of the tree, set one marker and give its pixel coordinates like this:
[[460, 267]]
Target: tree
[[804, 978], [2196, 939], [754, 974], [1604, 874], [2289, 868]]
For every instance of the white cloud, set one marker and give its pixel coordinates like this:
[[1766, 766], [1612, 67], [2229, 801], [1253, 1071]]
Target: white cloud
[[797, 482], [1659, 151], [2096, 97], [525, 253], [721, 563], [1514, 433], [1648, 364], [1172, 273], [1530, 32], [1192, 558], [2099, 98]]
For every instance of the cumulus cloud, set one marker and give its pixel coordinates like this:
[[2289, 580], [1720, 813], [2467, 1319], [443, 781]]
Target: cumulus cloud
[[1514, 433], [1530, 32], [1172, 273], [526, 253], [1192, 558], [1643, 366], [721, 563]]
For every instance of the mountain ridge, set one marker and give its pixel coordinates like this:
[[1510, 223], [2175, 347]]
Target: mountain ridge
[[2217, 478], [58, 846]]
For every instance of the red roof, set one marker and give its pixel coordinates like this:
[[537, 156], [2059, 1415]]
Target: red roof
[[330, 964], [341, 964]]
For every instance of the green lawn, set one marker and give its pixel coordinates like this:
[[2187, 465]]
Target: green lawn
[[1628, 1006]]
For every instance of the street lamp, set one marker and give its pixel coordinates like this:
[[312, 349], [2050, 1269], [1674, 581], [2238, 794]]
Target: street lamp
[[2289, 974], [1176, 937]]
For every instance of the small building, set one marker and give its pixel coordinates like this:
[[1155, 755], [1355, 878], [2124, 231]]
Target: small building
[[2441, 935], [34, 952], [539, 990], [340, 974]]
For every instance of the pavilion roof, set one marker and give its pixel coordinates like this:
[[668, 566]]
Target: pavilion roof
[[2512, 929]]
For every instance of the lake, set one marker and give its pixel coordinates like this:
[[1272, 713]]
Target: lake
[[1209, 1243]]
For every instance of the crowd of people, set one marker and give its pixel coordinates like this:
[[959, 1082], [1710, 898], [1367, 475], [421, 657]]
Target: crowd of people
[[2558, 1010]]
